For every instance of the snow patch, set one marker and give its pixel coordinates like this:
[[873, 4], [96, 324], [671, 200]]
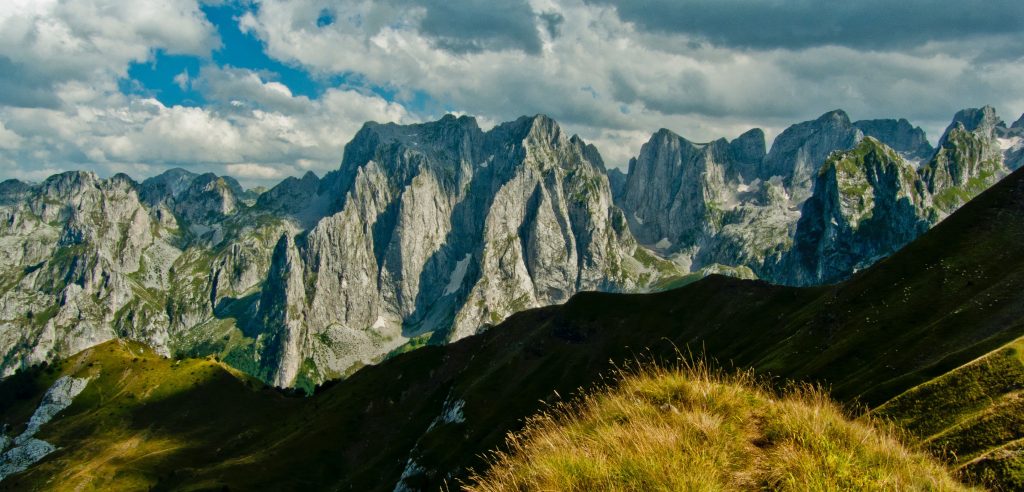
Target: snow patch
[[638, 219], [27, 450], [742, 188], [455, 281], [663, 244], [380, 323], [1012, 143]]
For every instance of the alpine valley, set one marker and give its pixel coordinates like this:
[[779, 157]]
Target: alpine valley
[[144, 325]]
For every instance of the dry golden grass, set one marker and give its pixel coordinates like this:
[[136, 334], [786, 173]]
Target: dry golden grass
[[694, 429]]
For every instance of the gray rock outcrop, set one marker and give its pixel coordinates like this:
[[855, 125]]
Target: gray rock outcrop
[[910, 141], [866, 205], [799, 151], [443, 230], [824, 202]]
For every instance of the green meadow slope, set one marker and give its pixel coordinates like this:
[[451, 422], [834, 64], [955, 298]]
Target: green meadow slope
[[904, 337], [972, 417]]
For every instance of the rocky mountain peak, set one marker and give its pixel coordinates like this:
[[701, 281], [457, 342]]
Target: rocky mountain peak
[[446, 229], [538, 130], [900, 135], [836, 118], [799, 151], [981, 121], [590, 152], [208, 198], [664, 134], [1011, 142], [969, 154], [450, 139], [748, 151], [13, 191], [865, 205], [750, 146], [298, 198], [438, 230], [69, 183], [693, 181], [176, 179]]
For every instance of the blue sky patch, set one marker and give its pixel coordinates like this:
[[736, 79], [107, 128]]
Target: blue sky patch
[[161, 77]]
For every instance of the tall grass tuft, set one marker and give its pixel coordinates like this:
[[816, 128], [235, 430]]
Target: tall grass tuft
[[693, 428]]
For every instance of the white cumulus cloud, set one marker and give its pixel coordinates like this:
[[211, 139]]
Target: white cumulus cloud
[[605, 69]]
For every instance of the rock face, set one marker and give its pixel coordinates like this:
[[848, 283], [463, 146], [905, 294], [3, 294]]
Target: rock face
[[728, 203], [77, 253], [908, 140], [443, 230], [800, 150], [968, 160], [866, 205], [280, 307], [678, 191], [431, 231], [1011, 142], [85, 260], [884, 204], [302, 200], [825, 202], [17, 454], [617, 182]]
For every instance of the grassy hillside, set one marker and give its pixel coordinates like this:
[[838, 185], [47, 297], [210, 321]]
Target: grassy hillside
[[972, 416], [141, 417], [691, 429], [949, 298]]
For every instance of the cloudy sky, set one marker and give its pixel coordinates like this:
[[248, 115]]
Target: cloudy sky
[[262, 89]]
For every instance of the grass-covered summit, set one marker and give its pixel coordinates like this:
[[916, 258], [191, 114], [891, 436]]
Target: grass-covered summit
[[694, 429]]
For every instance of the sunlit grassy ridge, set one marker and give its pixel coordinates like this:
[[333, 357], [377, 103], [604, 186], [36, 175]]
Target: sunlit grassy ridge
[[692, 429], [138, 412], [973, 417]]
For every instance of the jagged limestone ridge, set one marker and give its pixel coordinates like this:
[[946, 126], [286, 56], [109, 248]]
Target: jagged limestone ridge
[[92, 259], [445, 229], [425, 231], [968, 160], [81, 254], [798, 152], [866, 205], [757, 221], [910, 141], [677, 191]]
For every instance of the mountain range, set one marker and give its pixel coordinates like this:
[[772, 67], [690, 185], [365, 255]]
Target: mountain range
[[430, 233], [928, 338]]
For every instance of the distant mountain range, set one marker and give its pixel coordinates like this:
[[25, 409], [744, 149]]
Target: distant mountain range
[[929, 338], [430, 233]]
